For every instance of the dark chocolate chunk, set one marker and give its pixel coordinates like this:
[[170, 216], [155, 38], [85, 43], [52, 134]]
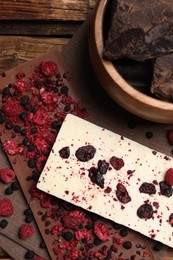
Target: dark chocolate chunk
[[14, 186], [17, 128], [24, 100], [8, 191], [68, 235], [123, 232], [140, 30], [127, 245], [29, 254], [64, 89], [32, 163], [3, 223]]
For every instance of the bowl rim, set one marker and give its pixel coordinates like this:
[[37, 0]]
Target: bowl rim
[[116, 77]]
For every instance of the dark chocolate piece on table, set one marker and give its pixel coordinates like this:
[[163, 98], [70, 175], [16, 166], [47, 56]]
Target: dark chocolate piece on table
[[140, 30]]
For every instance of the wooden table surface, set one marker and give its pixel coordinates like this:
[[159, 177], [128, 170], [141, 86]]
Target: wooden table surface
[[29, 28]]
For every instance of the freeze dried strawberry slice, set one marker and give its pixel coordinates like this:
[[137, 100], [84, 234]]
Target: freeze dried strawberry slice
[[6, 207], [10, 147], [48, 68], [26, 230], [73, 219], [101, 231], [7, 175], [169, 176]]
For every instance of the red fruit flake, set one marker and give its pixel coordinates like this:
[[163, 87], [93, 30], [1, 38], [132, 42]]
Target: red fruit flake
[[7, 175], [169, 176], [72, 254], [117, 163], [36, 193], [170, 136], [40, 117], [83, 234], [48, 68], [10, 147], [56, 229], [49, 98], [19, 86], [122, 194], [101, 231], [46, 202], [11, 108], [26, 230], [6, 207], [73, 219], [20, 75]]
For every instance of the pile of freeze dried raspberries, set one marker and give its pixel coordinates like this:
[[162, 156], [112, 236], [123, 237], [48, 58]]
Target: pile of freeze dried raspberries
[[32, 111]]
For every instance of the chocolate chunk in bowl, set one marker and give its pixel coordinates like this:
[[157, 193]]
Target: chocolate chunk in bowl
[[126, 81]]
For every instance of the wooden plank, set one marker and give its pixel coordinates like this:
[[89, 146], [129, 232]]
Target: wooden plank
[[50, 28], [17, 49], [43, 10]]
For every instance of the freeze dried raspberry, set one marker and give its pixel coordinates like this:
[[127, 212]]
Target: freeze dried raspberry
[[26, 230], [169, 176], [85, 153], [20, 75], [36, 193], [7, 175], [40, 163], [6, 207], [73, 219], [101, 231], [72, 254], [170, 136], [83, 234], [49, 98], [56, 229], [40, 117], [19, 85], [46, 202], [117, 163], [48, 68], [11, 108], [10, 147], [42, 145]]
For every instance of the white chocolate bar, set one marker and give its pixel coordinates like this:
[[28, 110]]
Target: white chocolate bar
[[68, 178]]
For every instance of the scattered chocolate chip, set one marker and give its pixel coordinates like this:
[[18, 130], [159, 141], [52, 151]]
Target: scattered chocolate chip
[[165, 189], [9, 125], [149, 134], [2, 118], [55, 125], [14, 186], [31, 148], [8, 191], [117, 226], [3, 223], [43, 245], [32, 163], [23, 115], [67, 108], [145, 211], [85, 153], [34, 130], [68, 235], [23, 132], [97, 241], [24, 100], [26, 141], [29, 254], [6, 91], [29, 219], [64, 89], [35, 175], [127, 245], [64, 152], [17, 128], [123, 232]]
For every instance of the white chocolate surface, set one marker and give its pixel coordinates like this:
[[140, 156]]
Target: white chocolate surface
[[68, 178]]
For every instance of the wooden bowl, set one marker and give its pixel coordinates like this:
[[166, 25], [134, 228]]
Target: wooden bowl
[[116, 86]]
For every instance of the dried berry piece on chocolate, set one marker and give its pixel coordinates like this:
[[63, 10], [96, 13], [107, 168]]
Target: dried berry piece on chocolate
[[65, 152], [7, 175], [127, 245], [169, 176], [123, 232], [165, 189], [171, 219], [145, 211], [11, 108], [101, 231], [102, 166], [117, 163], [24, 100], [73, 219], [48, 68], [122, 194], [10, 147], [26, 230], [3, 223], [96, 177], [85, 153], [148, 188], [83, 234], [6, 207]]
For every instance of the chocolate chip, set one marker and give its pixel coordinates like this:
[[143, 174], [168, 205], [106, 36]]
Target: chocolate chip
[[28, 212], [3, 223], [64, 89], [9, 124], [55, 125], [14, 186], [67, 108], [35, 175], [31, 148], [123, 232], [29, 254], [117, 226], [149, 134], [17, 128], [32, 163], [26, 141], [6, 91], [23, 132], [127, 245], [68, 235], [34, 130], [24, 100], [97, 241], [23, 115], [8, 191], [42, 245], [29, 219], [2, 118]]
